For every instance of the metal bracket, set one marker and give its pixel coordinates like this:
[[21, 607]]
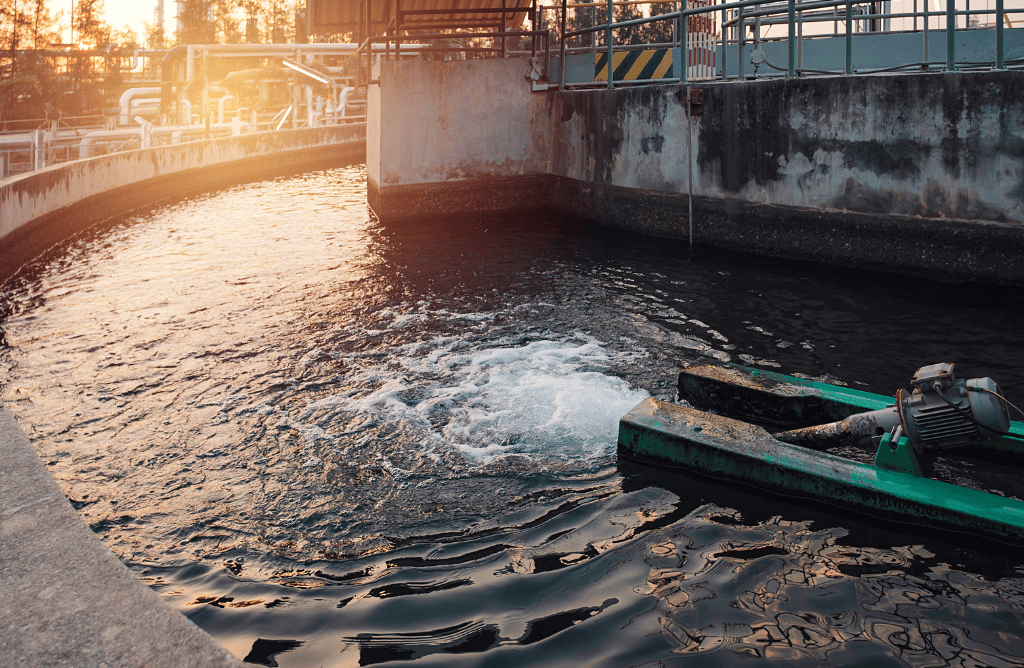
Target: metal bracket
[[895, 454]]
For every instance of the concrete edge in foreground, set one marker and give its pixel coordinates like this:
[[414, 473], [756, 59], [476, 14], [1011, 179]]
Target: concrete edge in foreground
[[67, 601]]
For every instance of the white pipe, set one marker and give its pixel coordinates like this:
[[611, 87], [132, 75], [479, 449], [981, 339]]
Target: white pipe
[[145, 105], [220, 107], [343, 99], [85, 146], [125, 102], [185, 115], [190, 68]]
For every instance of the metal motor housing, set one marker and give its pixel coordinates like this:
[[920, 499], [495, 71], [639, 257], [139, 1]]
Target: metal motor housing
[[941, 412], [931, 422]]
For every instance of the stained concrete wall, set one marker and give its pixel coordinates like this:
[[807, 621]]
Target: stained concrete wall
[[930, 145], [913, 172], [447, 122]]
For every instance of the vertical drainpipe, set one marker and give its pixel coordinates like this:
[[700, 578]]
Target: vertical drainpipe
[[608, 44], [951, 35], [792, 39], [1000, 65], [689, 158]]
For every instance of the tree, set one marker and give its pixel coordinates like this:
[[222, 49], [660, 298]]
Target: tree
[[90, 28], [14, 90]]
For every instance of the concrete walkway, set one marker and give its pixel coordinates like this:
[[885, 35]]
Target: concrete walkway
[[64, 599]]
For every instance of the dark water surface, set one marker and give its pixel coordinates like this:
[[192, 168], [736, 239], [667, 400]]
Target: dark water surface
[[335, 442]]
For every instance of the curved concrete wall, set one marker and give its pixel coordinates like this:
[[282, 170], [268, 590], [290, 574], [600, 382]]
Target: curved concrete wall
[[41, 208], [66, 600]]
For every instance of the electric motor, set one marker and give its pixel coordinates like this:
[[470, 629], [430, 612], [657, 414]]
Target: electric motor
[[943, 412]]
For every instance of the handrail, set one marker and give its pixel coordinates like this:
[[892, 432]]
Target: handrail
[[789, 10]]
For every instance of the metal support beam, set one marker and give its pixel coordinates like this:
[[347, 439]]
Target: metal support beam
[[849, 37], [684, 44], [951, 35], [1000, 64], [725, 47]]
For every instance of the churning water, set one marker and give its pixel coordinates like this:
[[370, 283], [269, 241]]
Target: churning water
[[332, 441]]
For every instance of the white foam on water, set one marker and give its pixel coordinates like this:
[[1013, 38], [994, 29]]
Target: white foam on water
[[549, 400]]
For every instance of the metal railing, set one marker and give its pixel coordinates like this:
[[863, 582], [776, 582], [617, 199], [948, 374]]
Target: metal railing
[[749, 16], [23, 152]]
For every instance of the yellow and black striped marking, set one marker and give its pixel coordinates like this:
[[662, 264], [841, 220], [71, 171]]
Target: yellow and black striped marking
[[635, 65]]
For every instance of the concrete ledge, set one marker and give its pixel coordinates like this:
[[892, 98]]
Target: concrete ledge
[[67, 601], [946, 249]]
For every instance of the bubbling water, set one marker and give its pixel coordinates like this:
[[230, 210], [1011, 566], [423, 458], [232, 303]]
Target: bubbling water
[[329, 440]]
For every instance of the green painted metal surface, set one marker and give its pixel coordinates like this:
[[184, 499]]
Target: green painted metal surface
[[897, 456], [782, 402], [660, 432]]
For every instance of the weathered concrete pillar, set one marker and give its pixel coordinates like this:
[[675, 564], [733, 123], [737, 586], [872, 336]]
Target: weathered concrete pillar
[[433, 127]]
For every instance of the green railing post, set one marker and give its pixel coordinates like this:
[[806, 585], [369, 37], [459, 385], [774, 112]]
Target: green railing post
[[1000, 65], [684, 38], [608, 42], [742, 32], [725, 47], [849, 37], [792, 38], [950, 35], [926, 61]]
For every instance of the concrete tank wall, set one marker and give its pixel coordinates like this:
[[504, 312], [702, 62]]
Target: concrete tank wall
[[43, 207], [449, 122], [929, 145], [922, 173]]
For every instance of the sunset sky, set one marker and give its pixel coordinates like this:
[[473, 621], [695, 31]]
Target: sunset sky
[[122, 12]]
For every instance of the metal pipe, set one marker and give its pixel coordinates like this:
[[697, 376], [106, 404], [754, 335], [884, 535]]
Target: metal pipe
[[1000, 64], [125, 117], [725, 48], [849, 37], [684, 38], [951, 35], [689, 159]]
